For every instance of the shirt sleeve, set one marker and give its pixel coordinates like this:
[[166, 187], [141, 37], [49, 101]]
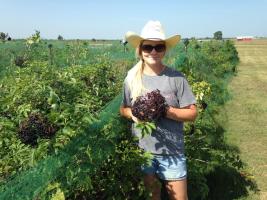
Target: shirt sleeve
[[126, 95], [184, 94]]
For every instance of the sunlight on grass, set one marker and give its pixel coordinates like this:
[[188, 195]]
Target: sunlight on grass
[[247, 112]]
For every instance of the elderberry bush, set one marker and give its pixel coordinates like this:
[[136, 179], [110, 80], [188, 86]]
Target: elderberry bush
[[149, 107]]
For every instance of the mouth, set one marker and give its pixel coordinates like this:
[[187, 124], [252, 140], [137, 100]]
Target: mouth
[[154, 57]]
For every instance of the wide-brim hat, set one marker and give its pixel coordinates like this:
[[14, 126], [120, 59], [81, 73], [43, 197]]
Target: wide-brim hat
[[153, 30]]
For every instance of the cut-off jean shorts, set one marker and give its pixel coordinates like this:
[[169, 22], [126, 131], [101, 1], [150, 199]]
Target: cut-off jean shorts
[[167, 167]]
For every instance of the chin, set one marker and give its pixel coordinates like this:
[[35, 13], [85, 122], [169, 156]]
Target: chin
[[154, 60], [152, 63]]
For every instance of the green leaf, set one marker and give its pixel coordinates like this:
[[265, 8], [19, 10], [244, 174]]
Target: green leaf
[[59, 195], [152, 125]]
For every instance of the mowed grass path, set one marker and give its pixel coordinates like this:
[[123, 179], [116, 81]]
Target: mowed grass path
[[246, 112]]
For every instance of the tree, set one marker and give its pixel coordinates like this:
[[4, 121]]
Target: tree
[[60, 37], [3, 36], [186, 43], [217, 35], [34, 39]]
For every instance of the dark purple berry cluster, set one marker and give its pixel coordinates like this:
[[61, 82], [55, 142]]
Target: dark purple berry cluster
[[20, 61], [34, 127], [149, 107]]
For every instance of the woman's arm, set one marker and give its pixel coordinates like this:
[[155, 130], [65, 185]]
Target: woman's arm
[[188, 113]]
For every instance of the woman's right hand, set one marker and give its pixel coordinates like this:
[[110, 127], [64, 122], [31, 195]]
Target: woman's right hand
[[127, 112], [135, 119]]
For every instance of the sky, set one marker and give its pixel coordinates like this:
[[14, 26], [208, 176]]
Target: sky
[[111, 19]]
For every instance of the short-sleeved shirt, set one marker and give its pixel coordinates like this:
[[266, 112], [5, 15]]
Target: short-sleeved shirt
[[168, 137]]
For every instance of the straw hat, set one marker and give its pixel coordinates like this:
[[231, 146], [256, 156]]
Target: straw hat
[[153, 30]]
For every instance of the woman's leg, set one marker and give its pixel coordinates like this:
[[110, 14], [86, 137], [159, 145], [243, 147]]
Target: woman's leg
[[153, 185], [177, 189]]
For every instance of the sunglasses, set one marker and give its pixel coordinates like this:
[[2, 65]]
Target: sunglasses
[[147, 48]]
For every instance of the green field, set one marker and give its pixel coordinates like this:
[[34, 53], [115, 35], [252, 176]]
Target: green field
[[246, 125], [59, 136]]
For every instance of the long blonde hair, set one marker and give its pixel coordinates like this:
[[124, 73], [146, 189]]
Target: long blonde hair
[[134, 76]]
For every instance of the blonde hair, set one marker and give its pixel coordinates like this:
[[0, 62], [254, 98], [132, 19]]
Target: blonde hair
[[134, 76]]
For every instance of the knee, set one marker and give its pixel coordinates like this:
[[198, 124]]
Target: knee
[[177, 190], [181, 197], [178, 197]]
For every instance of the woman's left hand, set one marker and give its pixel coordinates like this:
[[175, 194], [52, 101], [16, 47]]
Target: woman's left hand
[[188, 113]]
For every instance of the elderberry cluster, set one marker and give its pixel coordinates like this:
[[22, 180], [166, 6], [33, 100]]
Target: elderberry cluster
[[33, 127], [149, 107]]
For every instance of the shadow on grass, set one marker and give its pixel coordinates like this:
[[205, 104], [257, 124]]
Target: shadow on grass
[[226, 183]]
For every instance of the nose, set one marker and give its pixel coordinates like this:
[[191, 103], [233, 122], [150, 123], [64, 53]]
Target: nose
[[153, 51]]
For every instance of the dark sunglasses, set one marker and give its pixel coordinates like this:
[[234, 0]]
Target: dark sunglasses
[[147, 48]]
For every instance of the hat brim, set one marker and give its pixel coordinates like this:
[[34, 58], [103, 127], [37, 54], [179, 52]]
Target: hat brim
[[134, 39]]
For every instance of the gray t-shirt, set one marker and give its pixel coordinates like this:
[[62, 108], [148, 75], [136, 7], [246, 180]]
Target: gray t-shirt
[[168, 137]]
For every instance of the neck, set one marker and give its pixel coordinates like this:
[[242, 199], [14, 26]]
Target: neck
[[153, 70]]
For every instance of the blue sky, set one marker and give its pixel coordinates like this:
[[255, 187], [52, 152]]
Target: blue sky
[[111, 19]]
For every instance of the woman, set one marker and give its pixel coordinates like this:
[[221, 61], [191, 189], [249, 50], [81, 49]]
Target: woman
[[166, 143]]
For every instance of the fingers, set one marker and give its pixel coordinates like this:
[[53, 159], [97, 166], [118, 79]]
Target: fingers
[[135, 119]]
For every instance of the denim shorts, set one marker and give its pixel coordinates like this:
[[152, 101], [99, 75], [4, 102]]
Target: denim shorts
[[167, 167]]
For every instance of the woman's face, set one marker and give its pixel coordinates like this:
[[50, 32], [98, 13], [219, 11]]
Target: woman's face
[[152, 52]]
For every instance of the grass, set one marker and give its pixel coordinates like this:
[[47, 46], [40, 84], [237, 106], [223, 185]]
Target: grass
[[246, 113]]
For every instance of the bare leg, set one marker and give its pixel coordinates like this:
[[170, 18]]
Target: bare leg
[[153, 185], [177, 189]]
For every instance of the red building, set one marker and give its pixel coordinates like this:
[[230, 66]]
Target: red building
[[244, 38]]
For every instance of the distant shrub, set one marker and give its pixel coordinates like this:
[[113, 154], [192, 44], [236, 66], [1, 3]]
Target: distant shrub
[[60, 37], [217, 35]]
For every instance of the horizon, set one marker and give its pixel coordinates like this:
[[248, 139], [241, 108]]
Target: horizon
[[118, 39], [111, 20]]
